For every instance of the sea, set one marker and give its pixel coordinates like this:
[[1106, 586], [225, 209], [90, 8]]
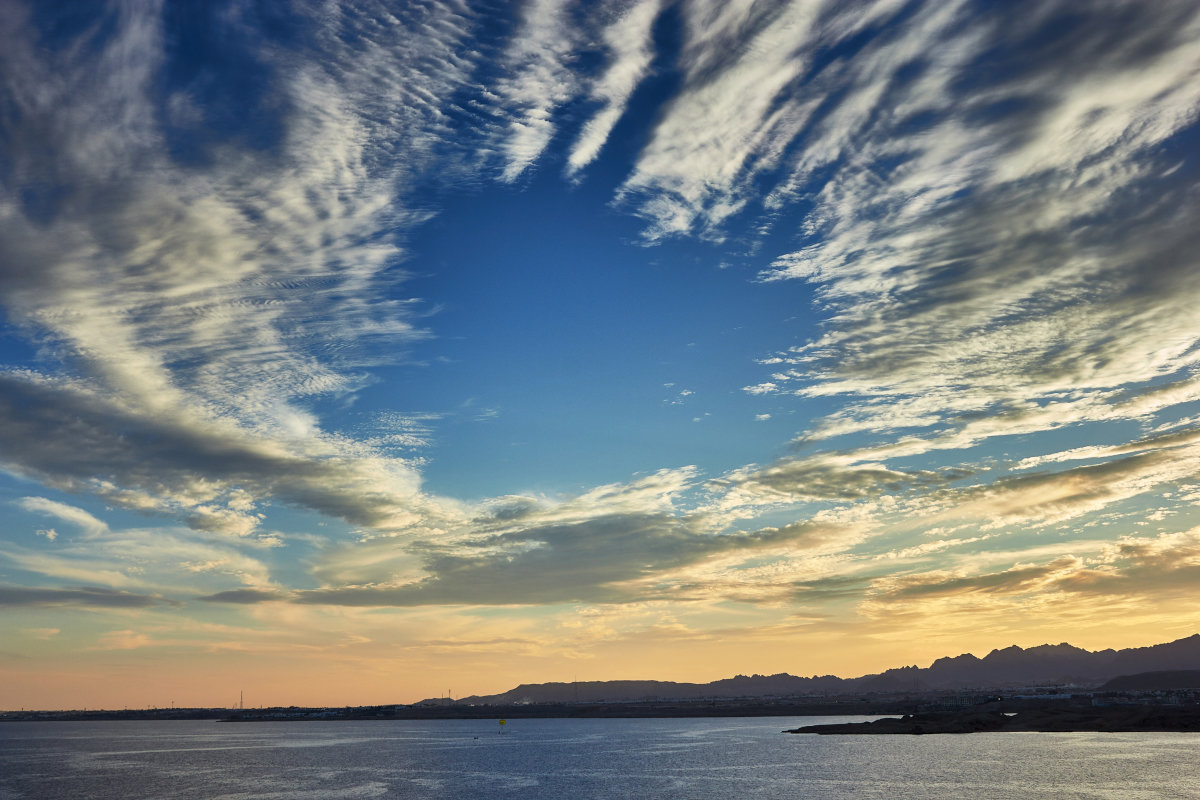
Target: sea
[[577, 759]]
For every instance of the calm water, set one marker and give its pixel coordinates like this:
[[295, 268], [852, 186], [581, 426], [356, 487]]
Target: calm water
[[576, 759]]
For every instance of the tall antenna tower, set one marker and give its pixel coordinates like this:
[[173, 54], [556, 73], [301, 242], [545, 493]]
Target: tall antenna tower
[[242, 699]]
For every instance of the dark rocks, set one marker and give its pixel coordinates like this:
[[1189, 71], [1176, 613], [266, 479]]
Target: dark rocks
[[1115, 719]]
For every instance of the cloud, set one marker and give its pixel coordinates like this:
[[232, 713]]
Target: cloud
[[994, 205], [1128, 573], [244, 596], [43, 634], [1001, 229], [539, 80], [621, 543], [604, 559], [87, 524], [995, 208], [540, 563], [124, 640], [67, 434], [834, 475], [160, 561], [658, 492], [728, 123], [202, 277], [629, 38], [82, 597], [1176, 439], [391, 429], [1046, 498]]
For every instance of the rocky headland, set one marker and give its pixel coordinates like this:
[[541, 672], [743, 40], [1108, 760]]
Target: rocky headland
[[1059, 720]]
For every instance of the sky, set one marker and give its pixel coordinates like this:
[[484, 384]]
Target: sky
[[363, 352]]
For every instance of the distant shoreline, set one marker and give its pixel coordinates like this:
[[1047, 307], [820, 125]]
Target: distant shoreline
[[1123, 719], [902, 715], [648, 709]]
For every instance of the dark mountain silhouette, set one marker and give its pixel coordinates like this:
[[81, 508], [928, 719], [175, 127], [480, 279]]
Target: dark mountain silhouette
[[1163, 680], [781, 685], [1008, 668]]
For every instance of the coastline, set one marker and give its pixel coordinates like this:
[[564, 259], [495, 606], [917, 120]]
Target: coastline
[[619, 710], [1113, 719]]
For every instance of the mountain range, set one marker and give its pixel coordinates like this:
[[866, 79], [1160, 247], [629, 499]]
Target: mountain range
[[1007, 668]]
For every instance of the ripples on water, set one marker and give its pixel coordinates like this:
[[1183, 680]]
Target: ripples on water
[[578, 760]]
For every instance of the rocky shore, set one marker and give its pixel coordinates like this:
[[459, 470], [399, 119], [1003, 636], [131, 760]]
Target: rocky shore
[[1104, 719]]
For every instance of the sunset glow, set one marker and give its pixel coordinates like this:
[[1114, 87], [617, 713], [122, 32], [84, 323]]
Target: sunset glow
[[365, 352]]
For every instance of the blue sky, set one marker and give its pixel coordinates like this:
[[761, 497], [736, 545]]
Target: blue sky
[[350, 348]]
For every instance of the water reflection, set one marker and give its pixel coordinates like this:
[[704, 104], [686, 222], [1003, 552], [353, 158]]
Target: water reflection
[[575, 759]]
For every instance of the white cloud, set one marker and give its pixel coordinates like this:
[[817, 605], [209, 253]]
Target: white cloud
[[214, 303], [726, 125], [1008, 293], [1130, 576], [629, 40], [1001, 250], [87, 524], [150, 560], [540, 80]]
